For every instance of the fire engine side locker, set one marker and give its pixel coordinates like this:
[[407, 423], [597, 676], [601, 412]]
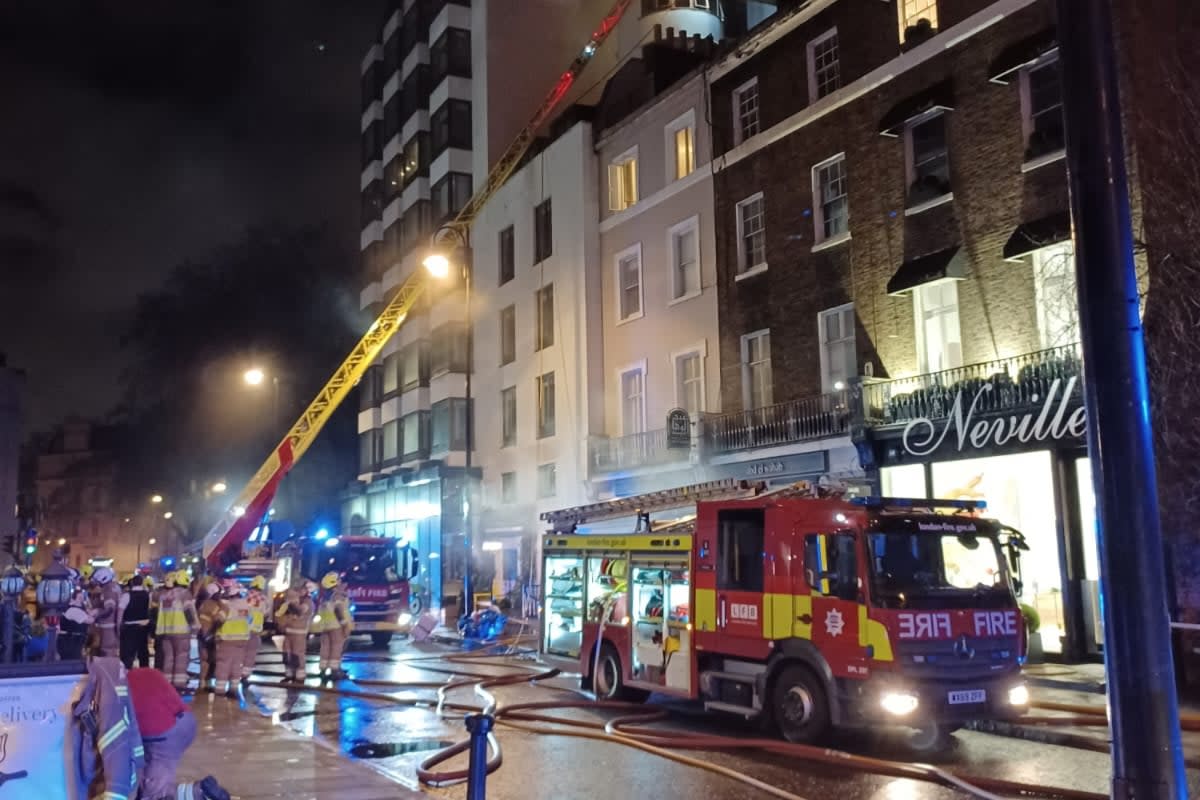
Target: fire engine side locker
[[576, 594]]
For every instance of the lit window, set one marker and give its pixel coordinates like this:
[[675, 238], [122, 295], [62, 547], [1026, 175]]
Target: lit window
[[685, 259], [622, 181], [839, 357], [508, 335], [681, 140], [756, 370], [545, 407], [1056, 295], [1041, 103], [689, 382], [508, 414], [752, 234], [824, 71], [629, 284], [917, 16], [544, 302], [832, 205], [745, 111], [928, 159], [633, 401], [939, 338]]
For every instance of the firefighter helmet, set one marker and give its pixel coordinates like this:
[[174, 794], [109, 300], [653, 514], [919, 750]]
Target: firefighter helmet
[[330, 580], [87, 571], [169, 580], [149, 582], [258, 582], [103, 576]]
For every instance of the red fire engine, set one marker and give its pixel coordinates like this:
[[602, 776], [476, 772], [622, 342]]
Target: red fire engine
[[805, 610]]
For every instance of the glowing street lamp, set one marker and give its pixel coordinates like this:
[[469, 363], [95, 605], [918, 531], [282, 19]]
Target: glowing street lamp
[[437, 264], [156, 499], [254, 377], [152, 541], [219, 487], [168, 515]]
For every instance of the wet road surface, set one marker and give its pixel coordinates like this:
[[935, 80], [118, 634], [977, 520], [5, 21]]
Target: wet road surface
[[395, 739]]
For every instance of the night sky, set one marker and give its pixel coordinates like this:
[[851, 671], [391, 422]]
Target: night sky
[[139, 133]]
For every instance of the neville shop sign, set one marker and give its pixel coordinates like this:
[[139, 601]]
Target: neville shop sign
[[966, 428]]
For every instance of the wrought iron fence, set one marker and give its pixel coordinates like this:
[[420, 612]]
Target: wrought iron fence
[[801, 420], [1004, 384], [635, 450]]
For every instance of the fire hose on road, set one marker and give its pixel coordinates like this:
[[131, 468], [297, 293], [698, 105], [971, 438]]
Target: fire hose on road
[[633, 729]]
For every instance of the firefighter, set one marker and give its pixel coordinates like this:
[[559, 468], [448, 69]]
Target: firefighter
[[257, 602], [207, 614], [334, 624], [75, 623], [168, 728], [177, 623], [292, 618], [233, 633], [133, 613], [109, 752], [107, 600]]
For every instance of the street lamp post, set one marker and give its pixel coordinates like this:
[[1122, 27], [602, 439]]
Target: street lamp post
[[438, 263]]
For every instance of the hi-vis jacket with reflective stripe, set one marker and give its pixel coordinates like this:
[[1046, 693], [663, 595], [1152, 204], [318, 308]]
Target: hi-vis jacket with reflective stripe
[[258, 604], [107, 742], [334, 612], [177, 613], [235, 620]]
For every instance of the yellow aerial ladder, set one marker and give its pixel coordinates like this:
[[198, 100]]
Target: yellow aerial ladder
[[223, 544]]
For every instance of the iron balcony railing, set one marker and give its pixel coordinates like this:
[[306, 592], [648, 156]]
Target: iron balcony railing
[[1007, 384], [802, 420], [645, 449]]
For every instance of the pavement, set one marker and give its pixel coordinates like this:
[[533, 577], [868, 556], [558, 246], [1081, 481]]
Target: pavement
[[280, 743], [255, 759]]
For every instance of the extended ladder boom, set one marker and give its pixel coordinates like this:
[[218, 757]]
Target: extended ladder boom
[[223, 543]]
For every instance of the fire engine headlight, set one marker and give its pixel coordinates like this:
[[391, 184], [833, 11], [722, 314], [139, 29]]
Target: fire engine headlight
[[404, 619], [898, 703], [1019, 695]]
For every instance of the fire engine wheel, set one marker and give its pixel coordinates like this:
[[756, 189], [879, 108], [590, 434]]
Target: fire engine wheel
[[381, 639], [801, 709], [608, 683]]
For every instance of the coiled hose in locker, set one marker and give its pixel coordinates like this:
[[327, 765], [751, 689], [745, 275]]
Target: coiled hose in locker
[[630, 730]]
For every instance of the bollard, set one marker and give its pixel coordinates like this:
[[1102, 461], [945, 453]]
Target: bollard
[[479, 726]]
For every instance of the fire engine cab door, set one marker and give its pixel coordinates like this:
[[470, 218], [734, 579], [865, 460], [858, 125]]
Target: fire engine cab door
[[740, 581], [831, 575]]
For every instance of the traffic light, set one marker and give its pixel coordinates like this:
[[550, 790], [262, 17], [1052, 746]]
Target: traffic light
[[31, 537]]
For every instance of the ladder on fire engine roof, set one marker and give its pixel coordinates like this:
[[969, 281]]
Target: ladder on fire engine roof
[[642, 505]]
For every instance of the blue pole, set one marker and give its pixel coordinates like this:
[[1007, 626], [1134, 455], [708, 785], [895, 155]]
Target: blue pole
[[1146, 750], [479, 726]]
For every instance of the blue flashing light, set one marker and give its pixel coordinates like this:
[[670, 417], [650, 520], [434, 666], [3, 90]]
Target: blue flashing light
[[331, 542], [168, 562], [321, 535], [353, 608]]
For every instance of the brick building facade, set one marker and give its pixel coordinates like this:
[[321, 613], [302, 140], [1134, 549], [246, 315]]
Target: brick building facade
[[893, 249]]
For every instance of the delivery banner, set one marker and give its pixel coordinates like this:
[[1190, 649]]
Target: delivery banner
[[35, 755]]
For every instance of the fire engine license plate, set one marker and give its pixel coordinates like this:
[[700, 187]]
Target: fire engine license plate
[[968, 696]]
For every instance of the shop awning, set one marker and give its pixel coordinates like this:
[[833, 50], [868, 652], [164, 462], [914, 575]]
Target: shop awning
[[1004, 66], [1030, 236], [948, 263], [938, 96]]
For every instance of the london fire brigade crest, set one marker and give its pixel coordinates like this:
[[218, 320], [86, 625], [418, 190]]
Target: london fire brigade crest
[[834, 624]]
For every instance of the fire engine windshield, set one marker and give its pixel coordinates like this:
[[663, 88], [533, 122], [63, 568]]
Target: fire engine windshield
[[362, 564], [937, 563]]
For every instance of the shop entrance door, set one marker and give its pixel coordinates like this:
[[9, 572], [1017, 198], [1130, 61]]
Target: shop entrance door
[[1019, 491]]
